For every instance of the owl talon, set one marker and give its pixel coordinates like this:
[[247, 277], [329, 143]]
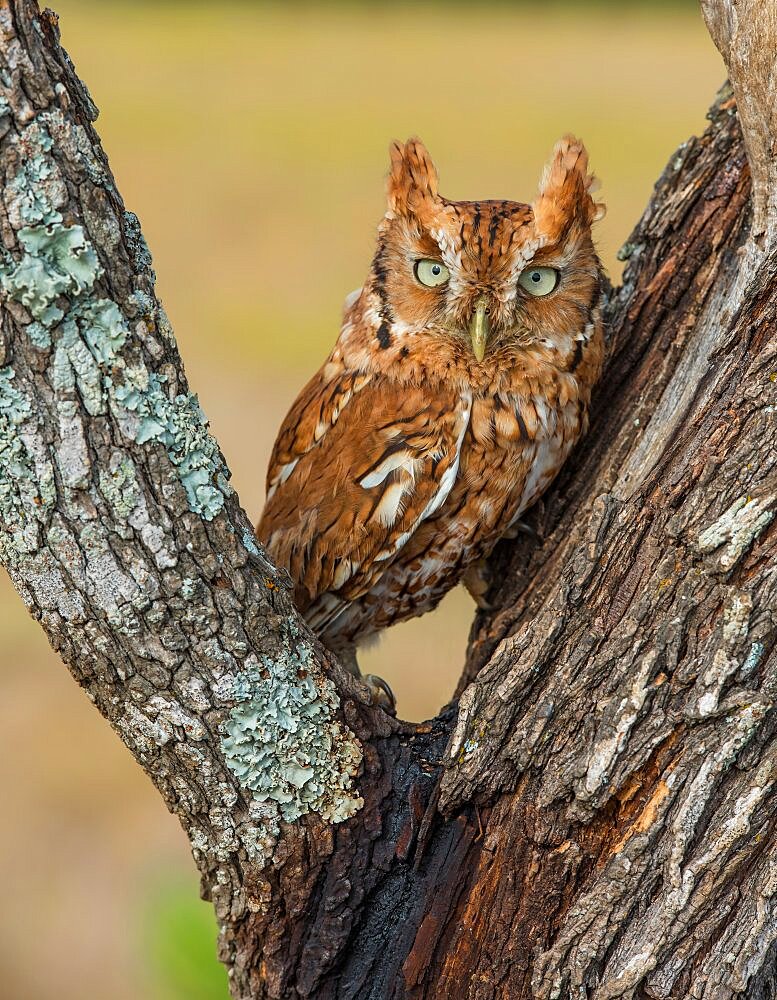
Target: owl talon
[[522, 528], [477, 581], [382, 695]]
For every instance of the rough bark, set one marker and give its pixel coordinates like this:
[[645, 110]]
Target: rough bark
[[745, 31], [120, 530], [595, 816]]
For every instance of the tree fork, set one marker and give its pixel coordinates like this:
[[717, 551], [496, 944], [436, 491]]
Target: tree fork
[[595, 815]]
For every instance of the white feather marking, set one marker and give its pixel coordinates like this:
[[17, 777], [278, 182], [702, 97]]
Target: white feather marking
[[549, 456], [343, 573], [450, 255], [440, 495], [589, 329], [486, 509], [430, 567], [401, 460], [390, 505], [287, 469], [283, 474], [525, 253], [350, 298], [327, 609], [546, 417], [340, 405]]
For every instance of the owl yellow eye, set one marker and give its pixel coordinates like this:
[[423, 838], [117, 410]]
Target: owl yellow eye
[[431, 273], [539, 281]]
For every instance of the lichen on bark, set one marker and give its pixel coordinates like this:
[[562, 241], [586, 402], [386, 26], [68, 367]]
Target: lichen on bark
[[283, 741], [53, 277], [117, 520]]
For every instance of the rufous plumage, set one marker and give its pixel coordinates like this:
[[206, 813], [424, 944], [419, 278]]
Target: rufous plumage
[[457, 387]]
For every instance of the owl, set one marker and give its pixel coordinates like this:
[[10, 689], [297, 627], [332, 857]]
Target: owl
[[459, 384]]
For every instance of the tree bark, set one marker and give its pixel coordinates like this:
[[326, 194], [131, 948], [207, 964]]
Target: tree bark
[[595, 815]]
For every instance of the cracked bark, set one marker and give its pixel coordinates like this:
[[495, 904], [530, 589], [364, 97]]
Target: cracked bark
[[595, 815]]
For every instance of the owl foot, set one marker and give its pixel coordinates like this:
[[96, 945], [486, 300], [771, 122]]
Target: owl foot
[[382, 695], [522, 528], [477, 581]]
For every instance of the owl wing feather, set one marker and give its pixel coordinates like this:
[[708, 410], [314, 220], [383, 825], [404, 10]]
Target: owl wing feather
[[359, 463], [315, 411]]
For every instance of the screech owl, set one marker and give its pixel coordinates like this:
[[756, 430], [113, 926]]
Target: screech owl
[[457, 387]]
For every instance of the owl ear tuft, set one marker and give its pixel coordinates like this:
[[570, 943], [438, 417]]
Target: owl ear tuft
[[565, 190], [412, 181]]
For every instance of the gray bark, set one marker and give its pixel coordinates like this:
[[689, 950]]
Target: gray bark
[[120, 530], [595, 817]]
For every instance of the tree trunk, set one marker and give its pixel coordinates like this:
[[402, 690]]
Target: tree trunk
[[594, 817]]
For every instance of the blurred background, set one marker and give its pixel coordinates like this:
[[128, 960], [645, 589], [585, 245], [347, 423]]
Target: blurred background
[[252, 142]]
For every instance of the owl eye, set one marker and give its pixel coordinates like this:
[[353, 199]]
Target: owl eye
[[539, 281], [431, 272]]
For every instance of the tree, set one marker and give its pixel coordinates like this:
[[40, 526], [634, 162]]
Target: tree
[[594, 816]]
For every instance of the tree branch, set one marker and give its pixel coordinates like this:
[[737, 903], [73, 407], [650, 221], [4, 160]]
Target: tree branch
[[119, 527], [745, 32], [626, 684]]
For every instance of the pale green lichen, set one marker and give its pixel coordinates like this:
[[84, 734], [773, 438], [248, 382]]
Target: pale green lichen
[[261, 835], [180, 425], [753, 658], [58, 262], [249, 542], [19, 496], [105, 330], [87, 351], [39, 336], [14, 405], [119, 486], [142, 302], [75, 138], [283, 742], [36, 192], [627, 251], [75, 365]]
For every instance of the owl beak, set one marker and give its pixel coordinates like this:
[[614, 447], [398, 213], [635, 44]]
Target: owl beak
[[480, 328]]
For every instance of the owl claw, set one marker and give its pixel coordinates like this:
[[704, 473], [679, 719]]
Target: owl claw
[[477, 582], [382, 695], [522, 528]]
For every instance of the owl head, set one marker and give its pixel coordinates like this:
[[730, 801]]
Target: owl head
[[486, 274]]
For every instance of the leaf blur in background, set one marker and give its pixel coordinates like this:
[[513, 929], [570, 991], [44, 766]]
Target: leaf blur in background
[[252, 142]]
